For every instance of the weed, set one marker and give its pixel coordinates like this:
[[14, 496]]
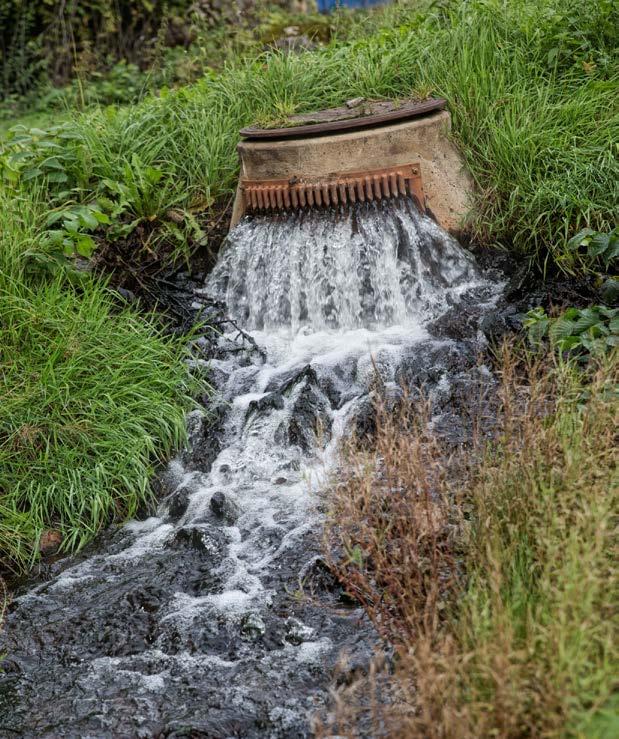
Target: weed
[[491, 569], [587, 332]]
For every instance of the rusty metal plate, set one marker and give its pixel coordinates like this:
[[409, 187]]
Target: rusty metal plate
[[363, 114], [349, 187]]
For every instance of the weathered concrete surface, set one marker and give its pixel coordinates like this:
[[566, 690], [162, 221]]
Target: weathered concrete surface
[[448, 186]]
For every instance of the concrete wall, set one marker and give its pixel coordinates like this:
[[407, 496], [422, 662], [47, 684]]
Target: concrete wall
[[423, 140]]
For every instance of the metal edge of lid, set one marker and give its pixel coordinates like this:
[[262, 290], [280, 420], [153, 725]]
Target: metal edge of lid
[[420, 109]]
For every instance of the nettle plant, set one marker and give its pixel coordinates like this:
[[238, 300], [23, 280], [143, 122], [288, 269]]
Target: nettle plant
[[602, 252], [56, 154], [583, 331]]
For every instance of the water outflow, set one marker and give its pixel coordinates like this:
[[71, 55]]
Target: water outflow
[[216, 616], [371, 267]]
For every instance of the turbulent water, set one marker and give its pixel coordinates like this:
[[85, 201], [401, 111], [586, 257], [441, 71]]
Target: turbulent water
[[217, 617]]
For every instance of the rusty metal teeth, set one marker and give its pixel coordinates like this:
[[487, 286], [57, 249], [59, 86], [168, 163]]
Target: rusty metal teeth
[[265, 195]]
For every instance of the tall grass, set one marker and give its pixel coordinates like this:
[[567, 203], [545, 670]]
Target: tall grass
[[92, 396], [531, 86], [492, 570]]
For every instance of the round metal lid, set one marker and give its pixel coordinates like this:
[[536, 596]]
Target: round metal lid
[[357, 113]]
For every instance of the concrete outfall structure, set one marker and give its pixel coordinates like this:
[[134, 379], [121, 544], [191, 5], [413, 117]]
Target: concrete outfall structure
[[369, 158]]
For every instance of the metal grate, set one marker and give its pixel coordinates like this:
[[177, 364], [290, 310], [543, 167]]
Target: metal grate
[[350, 187]]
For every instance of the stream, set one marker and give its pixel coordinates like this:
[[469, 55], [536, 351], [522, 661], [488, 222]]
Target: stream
[[217, 616]]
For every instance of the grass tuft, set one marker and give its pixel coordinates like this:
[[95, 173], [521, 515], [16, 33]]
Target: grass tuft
[[491, 569], [92, 397]]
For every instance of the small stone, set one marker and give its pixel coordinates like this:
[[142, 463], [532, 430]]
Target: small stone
[[127, 295], [178, 503], [297, 632], [195, 537], [354, 102], [223, 507], [50, 541], [218, 503], [252, 626]]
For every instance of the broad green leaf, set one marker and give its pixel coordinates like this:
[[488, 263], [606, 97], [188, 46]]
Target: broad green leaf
[[579, 239], [598, 245], [587, 318], [85, 245], [570, 342], [30, 174], [57, 177], [52, 163], [560, 329], [87, 219]]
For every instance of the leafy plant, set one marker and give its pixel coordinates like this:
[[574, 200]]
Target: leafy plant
[[54, 155], [598, 246], [588, 331]]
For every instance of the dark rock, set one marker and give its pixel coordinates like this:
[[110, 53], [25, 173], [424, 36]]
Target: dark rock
[[316, 576], [499, 323], [456, 324], [177, 503], [297, 632], [223, 507], [252, 626], [197, 537], [127, 295], [272, 401], [218, 501]]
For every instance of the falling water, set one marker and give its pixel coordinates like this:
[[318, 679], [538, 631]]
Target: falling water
[[375, 266], [190, 623]]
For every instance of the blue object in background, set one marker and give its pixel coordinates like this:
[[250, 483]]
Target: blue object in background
[[324, 6]]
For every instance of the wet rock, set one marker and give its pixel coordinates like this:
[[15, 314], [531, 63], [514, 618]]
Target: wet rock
[[456, 324], [316, 576], [272, 401], [252, 626], [207, 431], [308, 420], [217, 504], [499, 323], [224, 507], [197, 537], [177, 504], [297, 632]]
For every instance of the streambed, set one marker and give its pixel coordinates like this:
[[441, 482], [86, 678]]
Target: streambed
[[216, 616]]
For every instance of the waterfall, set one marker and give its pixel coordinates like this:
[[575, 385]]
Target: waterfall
[[376, 265]]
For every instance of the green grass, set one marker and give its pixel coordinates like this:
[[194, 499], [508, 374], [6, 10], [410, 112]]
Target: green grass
[[532, 87], [92, 396]]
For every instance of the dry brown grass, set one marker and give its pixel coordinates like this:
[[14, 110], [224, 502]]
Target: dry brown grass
[[491, 568]]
